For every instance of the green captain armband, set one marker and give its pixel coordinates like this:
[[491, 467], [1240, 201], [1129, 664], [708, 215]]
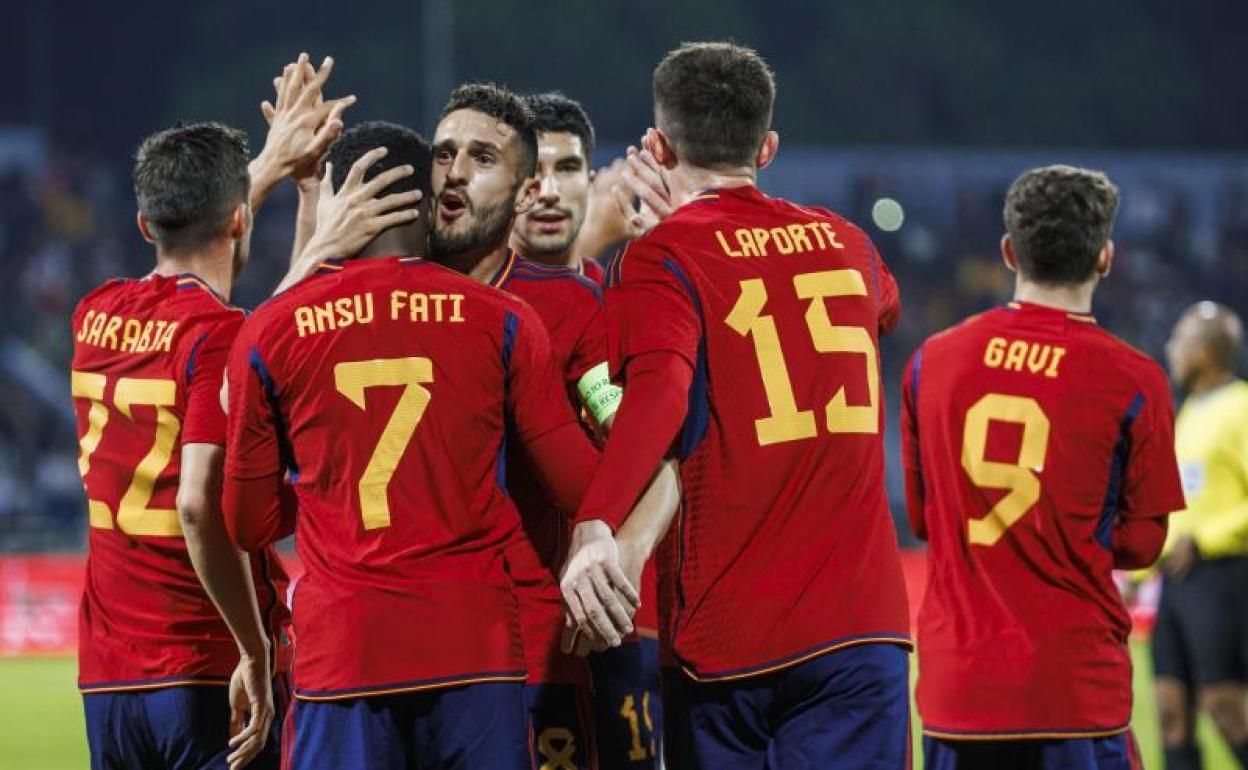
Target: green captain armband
[[600, 397]]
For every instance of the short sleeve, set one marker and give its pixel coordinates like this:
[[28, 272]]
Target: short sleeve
[[252, 448], [590, 348], [535, 390], [910, 453], [1151, 484], [652, 306], [889, 295], [205, 368]]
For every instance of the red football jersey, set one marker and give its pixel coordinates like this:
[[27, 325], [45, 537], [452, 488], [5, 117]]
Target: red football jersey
[[381, 387], [785, 548], [148, 361], [1027, 434], [593, 271], [570, 307]]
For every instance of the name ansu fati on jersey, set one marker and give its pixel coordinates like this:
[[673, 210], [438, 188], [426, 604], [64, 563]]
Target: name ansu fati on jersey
[[1020, 356], [793, 238], [342, 312], [128, 335]]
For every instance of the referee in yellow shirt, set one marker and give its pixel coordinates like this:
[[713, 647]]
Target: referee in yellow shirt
[[1200, 643]]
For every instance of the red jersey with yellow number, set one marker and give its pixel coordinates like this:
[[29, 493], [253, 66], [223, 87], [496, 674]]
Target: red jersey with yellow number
[[570, 306], [785, 547], [1028, 433], [148, 361], [383, 386]]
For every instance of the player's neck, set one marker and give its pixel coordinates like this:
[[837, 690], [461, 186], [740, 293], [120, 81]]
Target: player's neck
[[214, 266], [565, 258], [391, 243], [1073, 299], [1208, 381], [687, 181]]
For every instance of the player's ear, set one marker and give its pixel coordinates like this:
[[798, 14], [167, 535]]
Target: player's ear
[[527, 194], [662, 150], [144, 227], [239, 221], [1007, 253], [1105, 260], [767, 152]]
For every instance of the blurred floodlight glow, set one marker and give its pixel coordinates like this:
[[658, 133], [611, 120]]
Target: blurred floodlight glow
[[888, 215]]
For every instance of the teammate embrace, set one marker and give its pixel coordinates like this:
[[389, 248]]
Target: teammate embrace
[[480, 448]]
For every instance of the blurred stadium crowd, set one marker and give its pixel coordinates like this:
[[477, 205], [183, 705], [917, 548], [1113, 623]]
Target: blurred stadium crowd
[[67, 223]]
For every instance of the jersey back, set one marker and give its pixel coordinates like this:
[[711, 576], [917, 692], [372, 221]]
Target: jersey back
[[147, 367], [785, 548], [381, 387], [1029, 434]]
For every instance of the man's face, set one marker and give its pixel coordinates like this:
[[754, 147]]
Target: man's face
[[552, 224], [475, 182], [1185, 351]]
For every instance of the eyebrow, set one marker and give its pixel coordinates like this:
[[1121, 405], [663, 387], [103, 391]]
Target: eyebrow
[[475, 144]]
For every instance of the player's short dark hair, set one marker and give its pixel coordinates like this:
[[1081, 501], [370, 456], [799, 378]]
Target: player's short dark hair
[[505, 106], [555, 113], [405, 148], [188, 180], [713, 101], [1059, 218]]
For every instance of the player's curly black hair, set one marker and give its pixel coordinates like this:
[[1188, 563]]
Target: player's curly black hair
[[405, 148], [555, 113], [503, 105], [188, 180], [713, 101], [1059, 218]]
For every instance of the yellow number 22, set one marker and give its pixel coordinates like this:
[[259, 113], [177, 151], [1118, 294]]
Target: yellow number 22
[[1019, 478], [786, 422], [351, 378]]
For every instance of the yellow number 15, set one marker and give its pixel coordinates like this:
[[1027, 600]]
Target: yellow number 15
[[786, 422]]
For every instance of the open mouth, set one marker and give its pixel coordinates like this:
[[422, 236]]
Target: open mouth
[[451, 206]]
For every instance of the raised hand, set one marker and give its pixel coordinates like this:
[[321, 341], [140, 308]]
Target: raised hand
[[348, 219]]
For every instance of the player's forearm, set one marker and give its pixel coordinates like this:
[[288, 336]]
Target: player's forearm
[[305, 220], [565, 460], [1137, 543], [649, 417], [224, 571], [652, 516], [265, 176]]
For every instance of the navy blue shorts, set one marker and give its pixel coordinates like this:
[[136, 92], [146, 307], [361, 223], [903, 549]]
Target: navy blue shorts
[[171, 728], [452, 728], [845, 710], [1201, 634], [628, 706], [1116, 752], [563, 733]]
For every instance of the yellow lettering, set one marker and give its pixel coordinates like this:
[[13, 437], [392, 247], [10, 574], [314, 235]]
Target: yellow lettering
[[1038, 357], [994, 354], [398, 301], [343, 307], [130, 335], [364, 308], [86, 322], [97, 326], [1016, 355], [798, 235], [1058, 355], [748, 247], [780, 237], [420, 307], [814, 229], [304, 323], [456, 316], [761, 237], [723, 244], [324, 315], [109, 338], [827, 229], [166, 339], [145, 340], [437, 305]]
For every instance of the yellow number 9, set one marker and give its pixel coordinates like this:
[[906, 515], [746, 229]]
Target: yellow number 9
[[1019, 478]]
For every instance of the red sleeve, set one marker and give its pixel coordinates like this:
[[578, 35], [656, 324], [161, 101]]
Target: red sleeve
[[205, 367], [653, 409], [256, 500], [1151, 486], [889, 295], [651, 307], [1137, 543], [910, 458], [545, 423], [590, 348]]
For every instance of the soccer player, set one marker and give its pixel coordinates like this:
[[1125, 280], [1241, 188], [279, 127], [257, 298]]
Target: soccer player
[[382, 385], [744, 329], [155, 656], [1200, 641], [570, 306], [1038, 451]]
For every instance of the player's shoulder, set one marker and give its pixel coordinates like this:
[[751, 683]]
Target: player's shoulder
[[568, 284], [194, 299], [1106, 345], [103, 293]]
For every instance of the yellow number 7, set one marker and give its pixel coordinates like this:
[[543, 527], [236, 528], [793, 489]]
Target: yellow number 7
[[352, 378], [786, 422]]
